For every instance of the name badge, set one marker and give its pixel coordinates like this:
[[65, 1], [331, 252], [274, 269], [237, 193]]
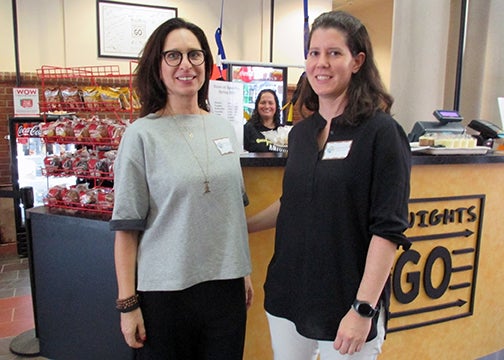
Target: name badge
[[224, 146], [337, 150]]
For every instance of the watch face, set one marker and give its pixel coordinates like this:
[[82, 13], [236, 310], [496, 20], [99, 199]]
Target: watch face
[[365, 309]]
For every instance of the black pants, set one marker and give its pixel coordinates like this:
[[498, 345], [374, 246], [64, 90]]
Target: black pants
[[203, 322]]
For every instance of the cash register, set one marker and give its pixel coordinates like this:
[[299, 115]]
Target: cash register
[[449, 122]]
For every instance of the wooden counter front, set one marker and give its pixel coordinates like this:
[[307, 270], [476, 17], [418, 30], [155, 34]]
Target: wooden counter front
[[451, 279]]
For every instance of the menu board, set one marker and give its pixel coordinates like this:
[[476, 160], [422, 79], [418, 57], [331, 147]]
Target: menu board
[[226, 100]]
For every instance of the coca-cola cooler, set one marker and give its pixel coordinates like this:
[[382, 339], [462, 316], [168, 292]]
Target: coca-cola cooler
[[28, 151]]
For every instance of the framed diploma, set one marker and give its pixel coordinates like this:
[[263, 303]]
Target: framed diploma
[[123, 28]]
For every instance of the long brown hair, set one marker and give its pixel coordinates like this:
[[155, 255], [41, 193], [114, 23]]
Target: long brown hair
[[366, 92], [148, 83], [255, 118]]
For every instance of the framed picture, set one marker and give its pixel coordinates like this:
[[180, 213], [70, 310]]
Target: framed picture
[[123, 28]]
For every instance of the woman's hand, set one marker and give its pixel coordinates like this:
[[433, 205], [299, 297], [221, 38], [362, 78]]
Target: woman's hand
[[352, 333], [249, 291], [132, 327]]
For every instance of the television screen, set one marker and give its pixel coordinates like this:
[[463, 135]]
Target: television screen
[[258, 77]]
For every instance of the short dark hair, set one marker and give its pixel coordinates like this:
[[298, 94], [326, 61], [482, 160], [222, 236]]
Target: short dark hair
[[366, 92], [148, 83], [255, 118]]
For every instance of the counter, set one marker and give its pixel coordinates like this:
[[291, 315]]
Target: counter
[[450, 283], [279, 159], [448, 289]]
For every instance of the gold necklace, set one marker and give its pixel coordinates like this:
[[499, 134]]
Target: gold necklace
[[206, 183]]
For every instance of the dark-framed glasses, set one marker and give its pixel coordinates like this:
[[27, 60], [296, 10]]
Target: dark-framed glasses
[[174, 57]]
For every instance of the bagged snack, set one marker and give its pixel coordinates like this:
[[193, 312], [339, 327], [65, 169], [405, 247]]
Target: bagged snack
[[67, 164], [105, 199], [72, 100], [80, 166], [91, 97], [136, 101], [47, 129], [110, 98], [64, 128], [87, 197], [102, 167], [54, 195], [53, 99], [93, 160], [52, 164], [71, 197], [124, 98], [98, 132], [81, 130]]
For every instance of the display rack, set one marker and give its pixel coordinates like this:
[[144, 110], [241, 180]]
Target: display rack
[[61, 108], [101, 75]]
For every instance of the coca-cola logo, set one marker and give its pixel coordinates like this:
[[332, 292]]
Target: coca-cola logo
[[28, 130], [246, 73]]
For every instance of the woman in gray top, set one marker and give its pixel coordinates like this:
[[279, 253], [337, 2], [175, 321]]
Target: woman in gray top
[[181, 245]]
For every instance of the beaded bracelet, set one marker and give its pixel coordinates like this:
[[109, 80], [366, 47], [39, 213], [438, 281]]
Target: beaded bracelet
[[128, 304]]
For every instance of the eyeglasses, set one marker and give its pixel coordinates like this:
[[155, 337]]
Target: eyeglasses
[[174, 57]]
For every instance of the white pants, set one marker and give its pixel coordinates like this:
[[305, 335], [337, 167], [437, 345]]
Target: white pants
[[288, 344]]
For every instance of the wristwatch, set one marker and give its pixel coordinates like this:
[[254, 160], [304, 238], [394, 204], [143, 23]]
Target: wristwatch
[[364, 309]]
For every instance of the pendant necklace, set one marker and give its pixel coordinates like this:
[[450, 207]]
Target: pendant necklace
[[206, 182]]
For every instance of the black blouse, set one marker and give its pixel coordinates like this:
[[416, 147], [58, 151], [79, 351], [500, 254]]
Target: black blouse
[[253, 139], [333, 202]]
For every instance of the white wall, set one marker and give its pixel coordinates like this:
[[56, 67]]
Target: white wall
[[422, 65], [419, 48], [483, 66], [64, 32], [377, 17]]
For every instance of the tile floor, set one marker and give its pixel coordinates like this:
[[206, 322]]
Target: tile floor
[[16, 309]]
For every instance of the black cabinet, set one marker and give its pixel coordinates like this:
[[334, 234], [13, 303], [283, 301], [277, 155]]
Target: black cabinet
[[75, 287]]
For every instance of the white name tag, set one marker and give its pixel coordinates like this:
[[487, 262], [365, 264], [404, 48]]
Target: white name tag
[[337, 150], [224, 146]]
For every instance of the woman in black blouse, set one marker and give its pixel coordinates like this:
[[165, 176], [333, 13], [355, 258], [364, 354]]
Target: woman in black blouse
[[344, 206], [265, 117]]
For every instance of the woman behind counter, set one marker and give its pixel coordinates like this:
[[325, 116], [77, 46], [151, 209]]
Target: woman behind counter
[[265, 117]]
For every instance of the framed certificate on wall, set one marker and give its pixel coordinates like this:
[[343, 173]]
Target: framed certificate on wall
[[123, 28]]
